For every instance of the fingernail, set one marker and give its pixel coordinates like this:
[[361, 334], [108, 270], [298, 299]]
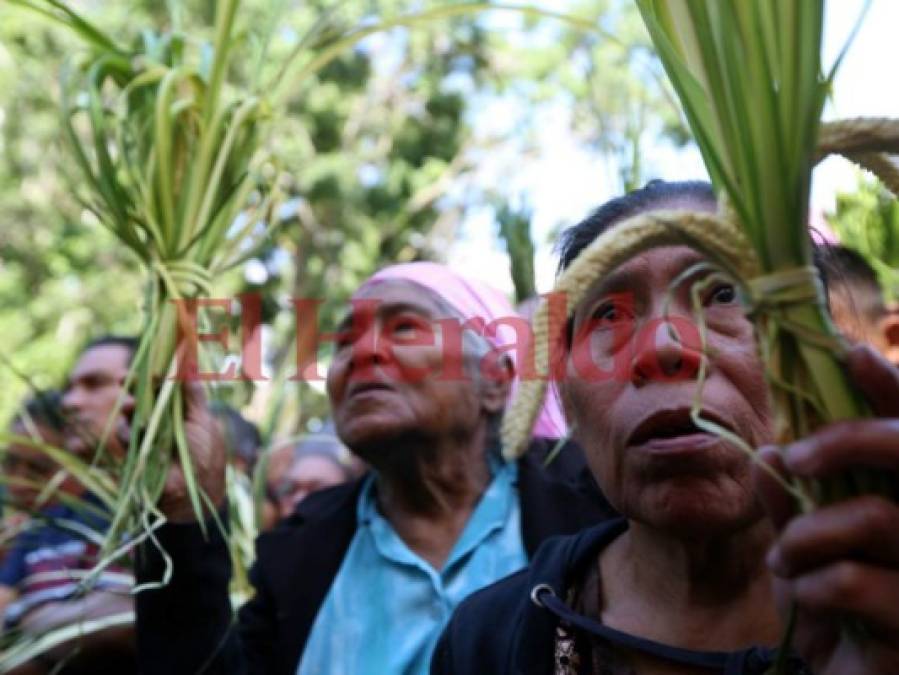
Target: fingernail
[[774, 560], [799, 456]]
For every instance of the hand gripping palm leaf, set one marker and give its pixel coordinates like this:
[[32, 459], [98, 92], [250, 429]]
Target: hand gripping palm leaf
[[175, 168], [748, 75]]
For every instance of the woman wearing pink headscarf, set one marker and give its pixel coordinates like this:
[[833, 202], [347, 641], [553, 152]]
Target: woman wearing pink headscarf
[[363, 577], [484, 310]]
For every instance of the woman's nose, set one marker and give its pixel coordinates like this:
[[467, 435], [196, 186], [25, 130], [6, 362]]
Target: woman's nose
[[669, 350], [371, 348]]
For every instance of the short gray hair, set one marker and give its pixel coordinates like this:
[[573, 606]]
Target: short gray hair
[[474, 348]]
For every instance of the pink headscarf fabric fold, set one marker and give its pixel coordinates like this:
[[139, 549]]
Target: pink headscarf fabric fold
[[473, 299]]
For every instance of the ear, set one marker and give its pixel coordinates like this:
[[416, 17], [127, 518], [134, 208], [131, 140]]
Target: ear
[[496, 385], [889, 328]]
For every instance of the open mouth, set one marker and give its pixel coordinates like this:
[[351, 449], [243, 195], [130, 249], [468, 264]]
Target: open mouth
[[670, 425]]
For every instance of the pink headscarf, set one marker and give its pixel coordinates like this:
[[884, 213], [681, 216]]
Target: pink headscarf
[[474, 299]]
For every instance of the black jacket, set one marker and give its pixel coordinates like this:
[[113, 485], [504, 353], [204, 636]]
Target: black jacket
[[187, 626], [509, 628]]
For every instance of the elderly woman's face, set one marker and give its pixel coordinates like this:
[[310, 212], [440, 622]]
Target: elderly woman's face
[[653, 464], [386, 380]]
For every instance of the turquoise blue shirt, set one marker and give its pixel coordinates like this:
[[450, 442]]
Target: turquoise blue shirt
[[387, 606]]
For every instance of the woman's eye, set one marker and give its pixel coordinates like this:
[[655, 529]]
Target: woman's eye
[[345, 339], [723, 294], [609, 313], [404, 325], [606, 313]]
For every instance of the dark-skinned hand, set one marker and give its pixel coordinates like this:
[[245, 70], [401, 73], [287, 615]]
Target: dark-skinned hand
[[207, 450], [840, 563]]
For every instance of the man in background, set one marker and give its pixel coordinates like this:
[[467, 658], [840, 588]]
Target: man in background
[[856, 300], [26, 472], [54, 550], [47, 561], [92, 395]]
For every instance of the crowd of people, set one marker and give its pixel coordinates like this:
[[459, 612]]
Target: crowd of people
[[398, 540], [52, 525]]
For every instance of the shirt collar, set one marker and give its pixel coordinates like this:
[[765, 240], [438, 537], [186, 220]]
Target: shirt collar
[[490, 514]]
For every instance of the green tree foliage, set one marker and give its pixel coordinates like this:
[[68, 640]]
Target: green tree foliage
[[867, 220], [620, 100], [55, 261], [515, 231], [381, 134], [371, 143]]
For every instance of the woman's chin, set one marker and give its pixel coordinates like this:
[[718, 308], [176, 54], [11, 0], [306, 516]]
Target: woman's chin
[[698, 510], [373, 436]]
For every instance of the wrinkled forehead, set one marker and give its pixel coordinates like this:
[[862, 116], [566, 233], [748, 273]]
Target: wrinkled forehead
[[394, 295], [651, 272], [388, 298]]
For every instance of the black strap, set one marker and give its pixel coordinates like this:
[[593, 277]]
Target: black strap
[[755, 659]]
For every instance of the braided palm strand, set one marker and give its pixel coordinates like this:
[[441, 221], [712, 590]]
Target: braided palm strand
[[857, 135], [868, 142], [716, 234], [880, 165]]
